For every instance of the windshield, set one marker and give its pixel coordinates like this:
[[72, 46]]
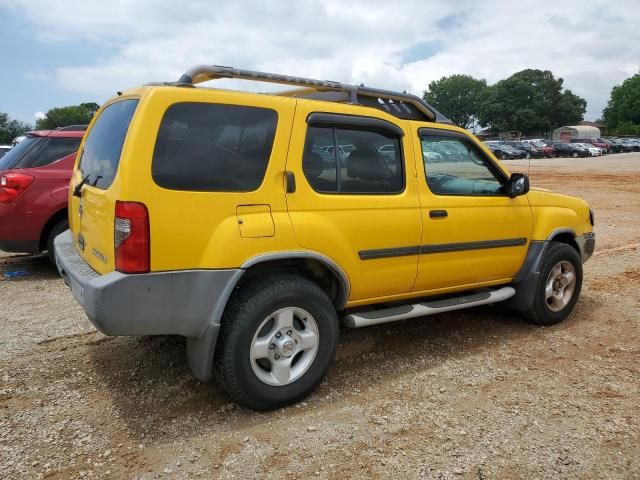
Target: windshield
[[14, 155]]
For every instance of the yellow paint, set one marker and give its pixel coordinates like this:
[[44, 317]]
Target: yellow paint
[[204, 230]]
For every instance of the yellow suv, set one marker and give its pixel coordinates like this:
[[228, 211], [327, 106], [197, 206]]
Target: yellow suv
[[251, 224]]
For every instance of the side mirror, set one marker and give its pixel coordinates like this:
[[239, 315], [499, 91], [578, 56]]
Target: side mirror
[[518, 185]]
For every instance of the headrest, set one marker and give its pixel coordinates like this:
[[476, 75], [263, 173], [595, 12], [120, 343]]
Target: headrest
[[366, 164]]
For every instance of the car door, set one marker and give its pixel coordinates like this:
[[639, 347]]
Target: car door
[[474, 234], [362, 210]]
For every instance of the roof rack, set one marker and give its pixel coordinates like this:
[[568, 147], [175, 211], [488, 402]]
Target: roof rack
[[402, 105]]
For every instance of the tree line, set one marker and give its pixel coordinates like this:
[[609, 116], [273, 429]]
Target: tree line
[[530, 102]]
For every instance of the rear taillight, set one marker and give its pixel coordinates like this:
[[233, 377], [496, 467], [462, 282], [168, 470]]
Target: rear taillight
[[131, 237], [12, 185]]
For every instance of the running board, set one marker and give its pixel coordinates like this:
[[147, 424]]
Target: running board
[[402, 312]]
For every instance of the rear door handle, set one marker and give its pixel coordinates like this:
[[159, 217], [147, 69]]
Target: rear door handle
[[438, 213]]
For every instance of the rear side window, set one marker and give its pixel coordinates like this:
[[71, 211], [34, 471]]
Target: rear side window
[[102, 149], [47, 151], [213, 148], [353, 160]]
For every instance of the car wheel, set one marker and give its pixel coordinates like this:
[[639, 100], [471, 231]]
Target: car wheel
[[575, 154], [559, 285], [278, 339], [504, 156], [527, 156], [57, 229]]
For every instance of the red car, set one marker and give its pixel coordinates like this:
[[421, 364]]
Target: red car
[[34, 182]]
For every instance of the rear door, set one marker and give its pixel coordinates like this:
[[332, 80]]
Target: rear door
[[359, 208]]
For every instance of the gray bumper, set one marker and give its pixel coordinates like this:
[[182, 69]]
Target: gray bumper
[[185, 302], [587, 244]]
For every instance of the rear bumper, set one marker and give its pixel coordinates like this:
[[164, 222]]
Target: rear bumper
[[189, 303]]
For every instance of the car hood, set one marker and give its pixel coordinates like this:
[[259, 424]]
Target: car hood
[[539, 197]]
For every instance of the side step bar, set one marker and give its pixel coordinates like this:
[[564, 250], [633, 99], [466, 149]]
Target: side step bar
[[402, 312]]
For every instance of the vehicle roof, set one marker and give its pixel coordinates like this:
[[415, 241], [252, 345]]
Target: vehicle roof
[[56, 133]]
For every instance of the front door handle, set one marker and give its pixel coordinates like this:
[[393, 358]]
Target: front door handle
[[438, 213]]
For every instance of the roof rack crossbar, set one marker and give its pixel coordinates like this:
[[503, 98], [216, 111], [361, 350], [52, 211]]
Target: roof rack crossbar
[[202, 73]]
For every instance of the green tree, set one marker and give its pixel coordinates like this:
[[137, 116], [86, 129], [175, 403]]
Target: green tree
[[530, 101], [10, 129], [71, 115], [623, 109], [457, 97]]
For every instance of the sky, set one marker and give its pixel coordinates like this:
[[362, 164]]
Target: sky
[[65, 52]]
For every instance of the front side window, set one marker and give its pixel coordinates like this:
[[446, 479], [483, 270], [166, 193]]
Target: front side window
[[454, 166], [353, 160], [213, 147]]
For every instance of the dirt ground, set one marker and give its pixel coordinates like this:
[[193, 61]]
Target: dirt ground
[[477, 394]]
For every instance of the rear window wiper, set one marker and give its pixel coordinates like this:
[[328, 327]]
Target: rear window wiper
[[78, 187]]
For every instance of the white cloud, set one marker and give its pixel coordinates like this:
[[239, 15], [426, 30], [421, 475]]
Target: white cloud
[[39, 115], [591, 44]]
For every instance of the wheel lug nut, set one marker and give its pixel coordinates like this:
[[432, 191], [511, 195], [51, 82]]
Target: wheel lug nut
[[278, 335], [277, 356], [272, 346], [289, 332]]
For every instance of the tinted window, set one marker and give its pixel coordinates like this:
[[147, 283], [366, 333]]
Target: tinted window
[[102, 149], [454, 167], [14, 155], [365, 161], [209, 147], [47, 151]]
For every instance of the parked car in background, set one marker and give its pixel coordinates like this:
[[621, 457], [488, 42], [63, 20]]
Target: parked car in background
[[593, 150], [34, 183], [569, 150], [617, 146], [531, 150], [595, 142], [4, 149], [542, 144], [630, 145], [503, 151]]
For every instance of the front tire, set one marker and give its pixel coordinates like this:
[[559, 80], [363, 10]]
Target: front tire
[[559, 285], [278, 339], [57, 229]]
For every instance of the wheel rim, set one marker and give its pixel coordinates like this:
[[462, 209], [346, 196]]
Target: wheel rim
[[560, 286], [284, 346]]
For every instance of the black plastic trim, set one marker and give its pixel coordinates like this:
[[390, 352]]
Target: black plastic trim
[[388, 252], [439, 248], [458, 247], [338, 120]]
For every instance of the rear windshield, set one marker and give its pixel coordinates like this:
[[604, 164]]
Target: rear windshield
[[212, 147], [36, 151], [102, 149]]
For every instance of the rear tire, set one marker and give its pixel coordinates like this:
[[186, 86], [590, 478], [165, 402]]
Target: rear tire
[[57, 229], [278, 339], [559, 285], [575, 154]]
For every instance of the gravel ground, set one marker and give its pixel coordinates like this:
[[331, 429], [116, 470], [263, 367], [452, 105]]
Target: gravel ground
[[476, 394]]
